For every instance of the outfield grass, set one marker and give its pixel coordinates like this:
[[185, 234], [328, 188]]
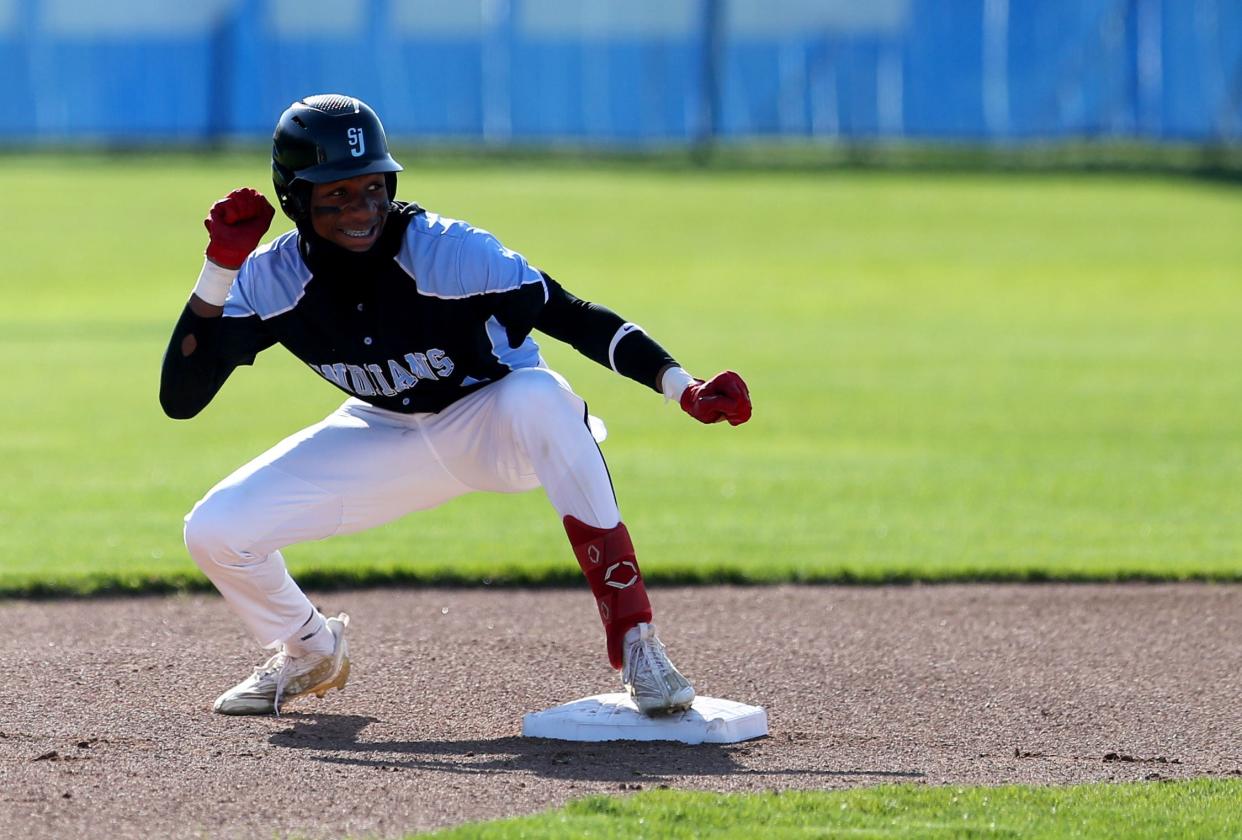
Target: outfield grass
[[1195, 810], [955, 376]]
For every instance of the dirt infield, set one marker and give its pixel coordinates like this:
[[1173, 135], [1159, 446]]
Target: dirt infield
[[106, 727]]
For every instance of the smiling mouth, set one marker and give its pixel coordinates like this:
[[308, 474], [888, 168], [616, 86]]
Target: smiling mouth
[[364, 233]]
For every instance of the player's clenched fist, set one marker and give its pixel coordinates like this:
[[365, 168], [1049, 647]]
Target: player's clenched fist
[[723, 397], [235, 224]]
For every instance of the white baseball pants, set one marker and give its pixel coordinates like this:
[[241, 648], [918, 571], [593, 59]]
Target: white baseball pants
[[363, 466]]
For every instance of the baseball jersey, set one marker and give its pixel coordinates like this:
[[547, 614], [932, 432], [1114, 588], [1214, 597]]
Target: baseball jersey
[[435, 310]]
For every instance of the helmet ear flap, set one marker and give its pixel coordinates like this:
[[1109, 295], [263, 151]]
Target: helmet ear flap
[[294, 195], [299, 201]]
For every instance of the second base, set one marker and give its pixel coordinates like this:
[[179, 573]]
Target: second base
[[614, 717]]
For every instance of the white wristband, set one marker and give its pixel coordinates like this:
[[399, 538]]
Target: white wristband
[[675, 381], [214, 283]]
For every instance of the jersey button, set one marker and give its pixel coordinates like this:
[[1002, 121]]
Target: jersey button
[[405, 401], [367, 341], [360, 307]]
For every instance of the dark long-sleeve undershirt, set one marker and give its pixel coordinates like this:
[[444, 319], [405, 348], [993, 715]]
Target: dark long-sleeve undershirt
[[190, 380], [590, 329]]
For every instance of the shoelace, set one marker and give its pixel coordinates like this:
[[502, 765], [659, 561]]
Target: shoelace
[[631, 662], [281, 678], [277, 665], [658, 664]]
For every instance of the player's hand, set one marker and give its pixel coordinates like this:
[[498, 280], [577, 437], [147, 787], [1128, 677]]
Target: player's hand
[[235, 224], [723, 397]]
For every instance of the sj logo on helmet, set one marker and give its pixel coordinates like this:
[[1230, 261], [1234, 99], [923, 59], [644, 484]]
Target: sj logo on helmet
[[357, 142]]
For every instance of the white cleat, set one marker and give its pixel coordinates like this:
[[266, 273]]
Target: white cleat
[[285, 677], [657, 687]]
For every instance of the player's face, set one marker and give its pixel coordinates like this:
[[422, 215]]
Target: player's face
[[350, 213]]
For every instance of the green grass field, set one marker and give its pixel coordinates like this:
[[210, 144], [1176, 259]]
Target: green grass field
[[955, 376], [1198, 810]]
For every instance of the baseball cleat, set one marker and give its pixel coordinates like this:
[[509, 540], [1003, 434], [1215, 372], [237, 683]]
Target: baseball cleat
[[657, 687], [285, 677]]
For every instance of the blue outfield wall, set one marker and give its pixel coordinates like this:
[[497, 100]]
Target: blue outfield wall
[[632, 73]]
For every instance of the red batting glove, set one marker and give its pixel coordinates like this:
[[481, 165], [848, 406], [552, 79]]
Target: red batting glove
[[235, 224], [723, 397]]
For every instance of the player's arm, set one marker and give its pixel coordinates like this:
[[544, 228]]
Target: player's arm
[[605, 337], [206, 347]]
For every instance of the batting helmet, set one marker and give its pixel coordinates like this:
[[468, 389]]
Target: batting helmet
[[326, 138]]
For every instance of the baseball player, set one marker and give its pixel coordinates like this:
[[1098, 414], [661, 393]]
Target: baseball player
[[425, 323]]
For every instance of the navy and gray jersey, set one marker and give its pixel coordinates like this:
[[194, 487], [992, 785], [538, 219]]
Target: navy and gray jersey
[[435, 310]]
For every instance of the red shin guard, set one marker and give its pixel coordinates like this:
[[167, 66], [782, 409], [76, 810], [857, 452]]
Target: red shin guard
[[607, 559]]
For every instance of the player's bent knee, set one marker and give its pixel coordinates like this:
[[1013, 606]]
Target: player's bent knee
[[202, 534], [210, 532]]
